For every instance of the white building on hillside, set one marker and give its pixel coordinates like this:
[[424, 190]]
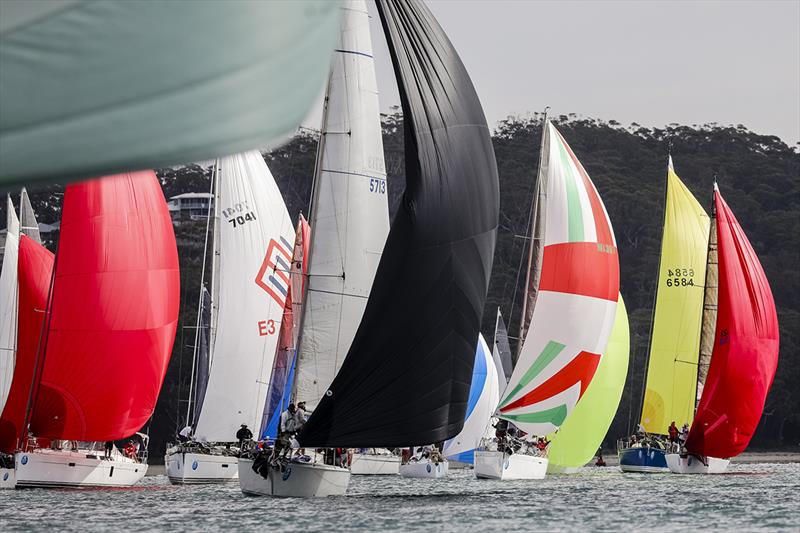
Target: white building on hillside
[[191, 205]]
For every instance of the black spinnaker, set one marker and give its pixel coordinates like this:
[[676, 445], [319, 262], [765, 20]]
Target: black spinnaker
[[405, 380]]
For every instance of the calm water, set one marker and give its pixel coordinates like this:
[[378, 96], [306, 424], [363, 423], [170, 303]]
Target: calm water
[[750, 497]]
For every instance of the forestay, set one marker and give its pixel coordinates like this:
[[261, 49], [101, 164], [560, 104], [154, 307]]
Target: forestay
[[576, 300], [405, 380], [349, 210], [672, 364], [253, 253]]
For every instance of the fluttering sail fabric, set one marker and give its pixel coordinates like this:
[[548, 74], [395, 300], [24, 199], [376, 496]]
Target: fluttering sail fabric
[[672, 365], [576, 299], [254, 239], [484, 393], [745, 349], [92, 88], [578, 439], [349, 210], [35, 268], [113, 311], [8, 302], [405, 380]]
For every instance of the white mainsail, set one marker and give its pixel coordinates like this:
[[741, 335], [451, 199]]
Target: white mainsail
[[8, 303], [253, 238], [349, 210]]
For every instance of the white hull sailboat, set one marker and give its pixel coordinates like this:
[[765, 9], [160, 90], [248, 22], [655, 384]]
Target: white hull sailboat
[[425, 469], [693, 464], [373, 463], [499, 465], [293, 480], [187, 468], [44, 468], [50, 399]]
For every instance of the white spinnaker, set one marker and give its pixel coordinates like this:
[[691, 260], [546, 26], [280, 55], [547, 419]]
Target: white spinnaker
[[576, 300], [349, 211], [255, 236], [478, 420], [8, 304], [28, 225]]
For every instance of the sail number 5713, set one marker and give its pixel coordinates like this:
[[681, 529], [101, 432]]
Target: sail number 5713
[[377, 185]]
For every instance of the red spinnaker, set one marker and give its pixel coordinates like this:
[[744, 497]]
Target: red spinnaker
[[35, 270], [114, 311], [745, 347]]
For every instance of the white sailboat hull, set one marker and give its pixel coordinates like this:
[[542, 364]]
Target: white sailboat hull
[[498, 465], [8, 478], [425, 469], [372, 464], [76, 469], [691, 464], [297, 480], [185, 468]]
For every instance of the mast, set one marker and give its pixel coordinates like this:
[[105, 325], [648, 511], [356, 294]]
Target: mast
[[535, 245], [215, 264], [312, 206], [709, 320], [655, 290], [195, 350]]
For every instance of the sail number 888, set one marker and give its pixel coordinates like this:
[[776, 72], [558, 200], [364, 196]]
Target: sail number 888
[[680, 277]]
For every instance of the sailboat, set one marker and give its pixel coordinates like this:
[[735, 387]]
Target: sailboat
[[742, 332], [28, 229], [569, 306], [111, 296], [484, 394], [577, 440], [672, 367], [405, 378], [349, 219], [252, 253]]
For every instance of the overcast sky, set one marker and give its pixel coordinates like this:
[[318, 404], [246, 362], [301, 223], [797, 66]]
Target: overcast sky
[[654, 63]]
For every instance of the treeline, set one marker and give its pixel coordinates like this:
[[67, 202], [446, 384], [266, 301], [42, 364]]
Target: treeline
[[758, 175]]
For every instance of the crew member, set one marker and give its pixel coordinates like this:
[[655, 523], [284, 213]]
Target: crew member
[[243, 434], [185, 434]]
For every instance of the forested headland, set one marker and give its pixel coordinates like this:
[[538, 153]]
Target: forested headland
[[758, 175]]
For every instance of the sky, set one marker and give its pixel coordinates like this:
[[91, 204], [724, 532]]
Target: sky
[[649, 62]]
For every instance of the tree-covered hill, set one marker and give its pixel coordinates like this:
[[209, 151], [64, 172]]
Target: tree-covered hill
[[758, 175]]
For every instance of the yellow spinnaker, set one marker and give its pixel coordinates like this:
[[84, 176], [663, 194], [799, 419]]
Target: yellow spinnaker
[[674, 346], [577, 440]]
